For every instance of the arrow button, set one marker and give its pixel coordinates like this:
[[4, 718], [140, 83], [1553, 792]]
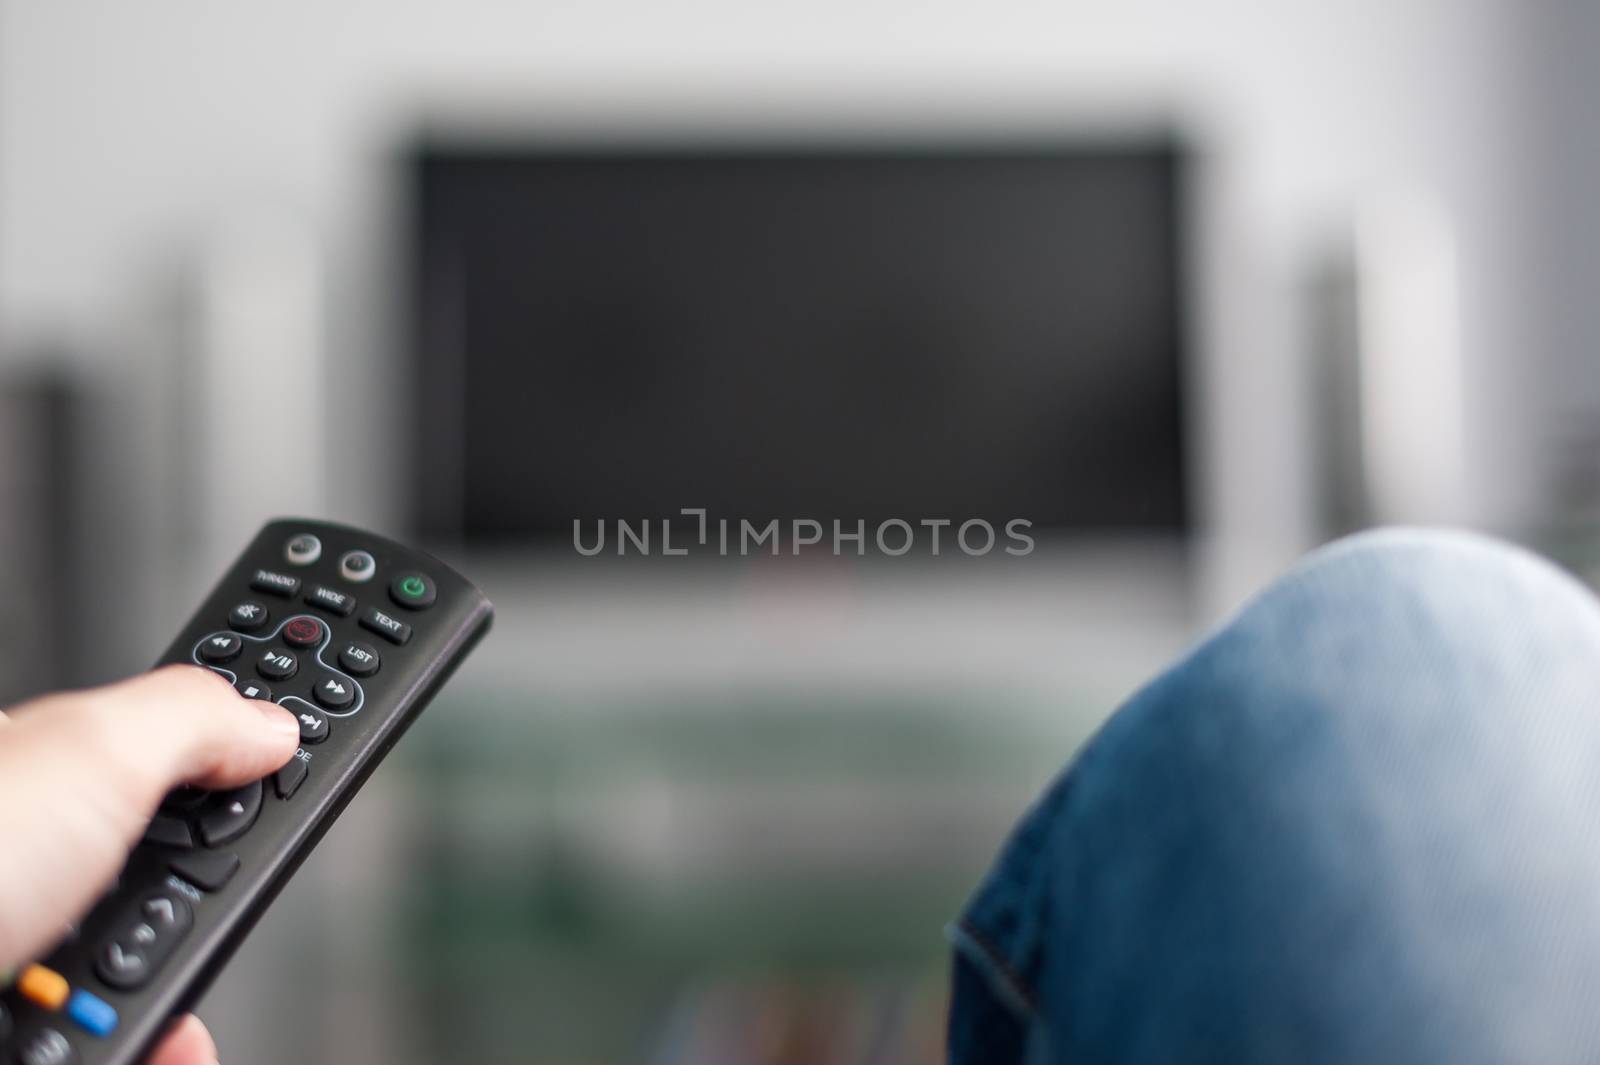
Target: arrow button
[[121, 967], [220, 647], [160, 909], [146, 938], [230, 814], [206, 870], [313, 723], [335, 693]]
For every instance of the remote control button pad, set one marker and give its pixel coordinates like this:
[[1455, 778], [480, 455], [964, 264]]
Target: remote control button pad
[[145, 938], [272, 665]]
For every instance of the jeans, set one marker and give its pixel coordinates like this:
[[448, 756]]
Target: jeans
[[1359, 823]]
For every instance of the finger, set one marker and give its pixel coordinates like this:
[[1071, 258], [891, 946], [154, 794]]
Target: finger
[[186, 1043], [81, 773], [175, 725]]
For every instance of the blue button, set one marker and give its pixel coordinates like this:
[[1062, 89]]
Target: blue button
[[92, 1014]]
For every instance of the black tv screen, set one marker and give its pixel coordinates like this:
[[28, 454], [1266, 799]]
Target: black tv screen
[[835, 334]]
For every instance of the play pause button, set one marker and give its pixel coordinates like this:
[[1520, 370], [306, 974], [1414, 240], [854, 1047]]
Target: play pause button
[[335, 693], [276, 665]]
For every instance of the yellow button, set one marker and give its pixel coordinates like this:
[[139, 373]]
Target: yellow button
[[46, 987]]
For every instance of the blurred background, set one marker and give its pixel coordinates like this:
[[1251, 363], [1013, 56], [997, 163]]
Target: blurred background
[[1193, 288]]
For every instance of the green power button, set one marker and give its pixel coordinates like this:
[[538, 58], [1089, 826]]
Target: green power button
[[413, 591]]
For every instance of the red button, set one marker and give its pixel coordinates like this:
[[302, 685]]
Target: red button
[[302, 632]]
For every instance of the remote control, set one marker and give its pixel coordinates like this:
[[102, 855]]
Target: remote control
[[351, 632]]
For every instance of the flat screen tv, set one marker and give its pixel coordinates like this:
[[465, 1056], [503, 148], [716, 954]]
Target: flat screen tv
[[836, 333]]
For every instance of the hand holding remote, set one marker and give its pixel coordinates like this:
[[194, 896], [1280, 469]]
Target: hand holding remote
[[315, 652], [81, 773]]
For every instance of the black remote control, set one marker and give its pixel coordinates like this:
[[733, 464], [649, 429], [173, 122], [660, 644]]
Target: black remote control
[[351, 632]]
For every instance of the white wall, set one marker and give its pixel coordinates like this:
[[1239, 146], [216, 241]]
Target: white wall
[[130, 131]]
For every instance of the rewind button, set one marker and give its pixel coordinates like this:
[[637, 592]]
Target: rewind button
[[220, 647]]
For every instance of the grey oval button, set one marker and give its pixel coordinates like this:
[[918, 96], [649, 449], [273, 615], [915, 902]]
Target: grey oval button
[[357, 566], [302, 550]]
